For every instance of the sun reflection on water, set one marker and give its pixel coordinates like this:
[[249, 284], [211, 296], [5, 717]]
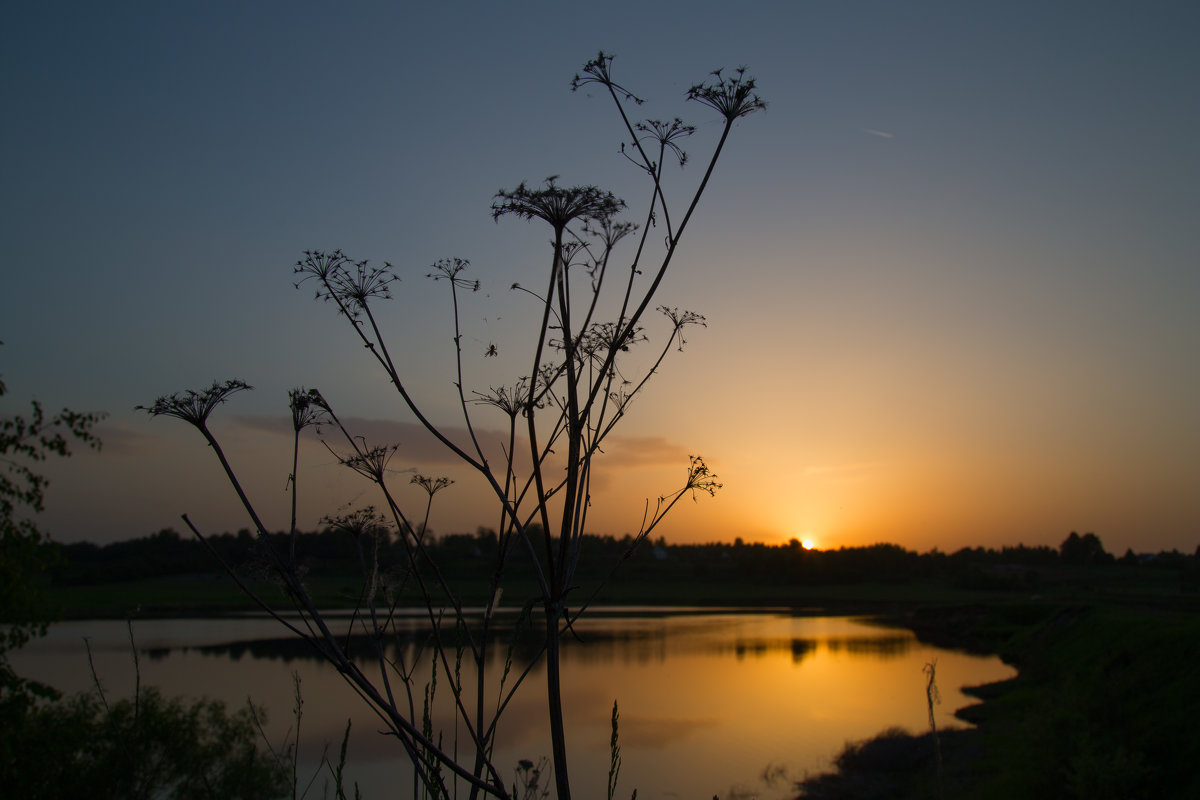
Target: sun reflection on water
[[709, 702]]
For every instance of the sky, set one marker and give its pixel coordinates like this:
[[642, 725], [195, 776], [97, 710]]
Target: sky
[[951, 275]]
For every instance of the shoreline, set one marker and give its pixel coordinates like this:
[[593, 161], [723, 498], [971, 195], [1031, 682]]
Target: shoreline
[[1103, 700], [1103, 706]]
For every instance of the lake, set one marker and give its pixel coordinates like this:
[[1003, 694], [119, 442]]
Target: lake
[[712, 702]]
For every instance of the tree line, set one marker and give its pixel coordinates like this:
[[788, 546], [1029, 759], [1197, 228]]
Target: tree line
[[466, 555]]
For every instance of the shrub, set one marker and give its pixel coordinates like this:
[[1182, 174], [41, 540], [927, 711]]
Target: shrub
[[152, 747]]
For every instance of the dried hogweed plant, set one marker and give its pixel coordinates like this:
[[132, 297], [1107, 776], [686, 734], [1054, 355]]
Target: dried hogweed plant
[[573, 385]]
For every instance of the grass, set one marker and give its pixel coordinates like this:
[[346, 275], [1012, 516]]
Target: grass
[[197, 595], [209, 593], [894, 764], [206, 594], [1105, 706]]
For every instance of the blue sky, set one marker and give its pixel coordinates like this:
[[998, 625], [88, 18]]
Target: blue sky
[[951, 275]]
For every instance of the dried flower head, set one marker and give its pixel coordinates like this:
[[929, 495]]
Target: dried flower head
[[667, 135], [350, 284], [194, 406], [308, 408], [320, 265], [681, 319], [431, 485], [700, 478], [364, 283], [557, 205], [449, 269], [609, 231], [599, 71], [371, 462], [602, 338], [511, 400], [358, 523], [731, 97]]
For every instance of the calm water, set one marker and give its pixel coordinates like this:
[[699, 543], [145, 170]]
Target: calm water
[[733, 704]]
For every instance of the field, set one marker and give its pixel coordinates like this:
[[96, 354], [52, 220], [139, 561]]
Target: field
[[214, 592]]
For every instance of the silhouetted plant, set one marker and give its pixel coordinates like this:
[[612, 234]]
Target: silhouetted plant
[[932, 698], [573, 385], [25, 611], [614, 756], [144, 747], [530, 780]]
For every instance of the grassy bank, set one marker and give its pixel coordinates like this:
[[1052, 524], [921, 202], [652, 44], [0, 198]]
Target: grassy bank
[[209, 594], [1104, 707], [213, 592]]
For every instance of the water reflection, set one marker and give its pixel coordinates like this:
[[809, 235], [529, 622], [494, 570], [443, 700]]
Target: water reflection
[[883, 647], [711, 703], [616, 641]]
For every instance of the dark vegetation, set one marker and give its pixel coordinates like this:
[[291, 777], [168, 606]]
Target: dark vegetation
[[167, 573], [1105, 703], [151, 747], [25, 550], [82, 747], [1104, 707]]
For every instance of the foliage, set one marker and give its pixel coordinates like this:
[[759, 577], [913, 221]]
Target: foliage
[[153, 747], [164, 573], [1104, 706], [24, 547], [571, 386], [80, 747], [893, 765], [1086, 549]]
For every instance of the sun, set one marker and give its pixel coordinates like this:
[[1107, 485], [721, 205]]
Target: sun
[[808, 544]]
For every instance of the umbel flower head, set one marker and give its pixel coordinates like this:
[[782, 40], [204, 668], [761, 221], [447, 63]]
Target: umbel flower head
[[557, 205], [449, 269], [358, 523], [732, 96], [599, 71], [431, 485], [194, 406], [512, 400], [308, 408], [371, 462], [701, 478], [667, 135], [351, 284]]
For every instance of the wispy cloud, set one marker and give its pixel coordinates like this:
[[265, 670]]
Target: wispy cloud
[[881, 134], [121, 438], [421, 451], [643, 451], [416, 443]]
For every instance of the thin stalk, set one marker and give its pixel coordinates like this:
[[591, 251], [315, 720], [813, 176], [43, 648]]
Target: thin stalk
[[558, 734]]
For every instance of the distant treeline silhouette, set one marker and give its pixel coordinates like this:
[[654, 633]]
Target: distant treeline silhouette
[[468, 556]]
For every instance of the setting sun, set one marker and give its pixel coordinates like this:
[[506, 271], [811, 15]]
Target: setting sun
[[808, 544]]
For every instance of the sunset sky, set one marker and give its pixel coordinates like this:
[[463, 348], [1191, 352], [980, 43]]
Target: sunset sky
[[951, 275]]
